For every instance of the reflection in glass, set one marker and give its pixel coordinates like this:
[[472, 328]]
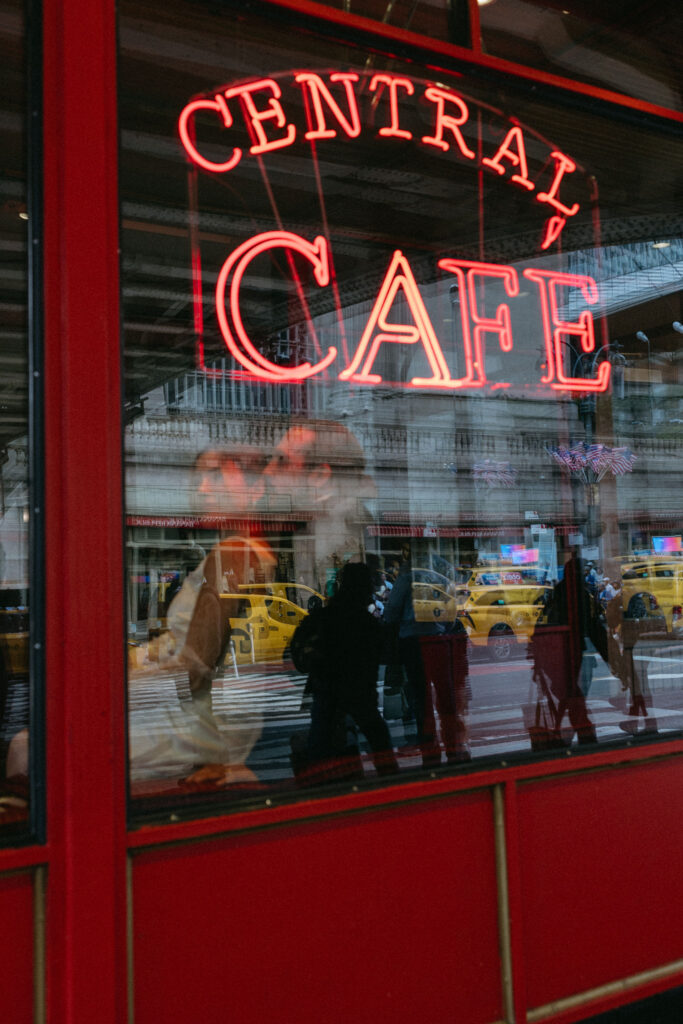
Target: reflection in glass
[[632, 49], [489, 436], [441, 19], [14, 470]]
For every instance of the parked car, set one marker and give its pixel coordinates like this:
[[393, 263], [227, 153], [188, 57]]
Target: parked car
[[502, 619], [421, 575], [505, 575], [652, 583], [297, 593], [262, 627], [434, 604]]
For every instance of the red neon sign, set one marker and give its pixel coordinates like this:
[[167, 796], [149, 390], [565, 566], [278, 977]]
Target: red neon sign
[[393, 83], [399, 277], [263, 107], [230, 317], [450, 121], [272, 112], [554, 330], [342, 104], [553, 227], [186, 131], [500, 324], [564, 165], [517, 158], [380, 329], [319, 92]]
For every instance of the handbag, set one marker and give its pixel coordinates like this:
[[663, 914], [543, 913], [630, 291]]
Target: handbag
[[541, 720]]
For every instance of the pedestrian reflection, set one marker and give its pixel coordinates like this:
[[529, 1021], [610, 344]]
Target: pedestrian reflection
[[343, 643], [317, 470], [436, 668], [623, 633], [198, 649], [228, 480], [557, 649]]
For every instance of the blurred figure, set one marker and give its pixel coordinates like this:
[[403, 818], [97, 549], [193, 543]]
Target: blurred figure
[[607, 591], [318, 469], [208, 635], [623, 633], [229, 480], [558, 654], [227, 486], [380, 593], [14, 789], [199, 617], [435, 663], [18, 755], [592, 578], [344, 667]]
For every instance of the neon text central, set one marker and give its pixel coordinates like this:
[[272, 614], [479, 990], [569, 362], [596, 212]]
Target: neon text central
[[380, 329], [332, 110]]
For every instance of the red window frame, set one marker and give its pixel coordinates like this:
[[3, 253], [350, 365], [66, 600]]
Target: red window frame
[[88, 845]]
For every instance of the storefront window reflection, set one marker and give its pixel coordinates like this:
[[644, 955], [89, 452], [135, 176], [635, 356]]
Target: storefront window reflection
[[634, 52], [14, 468], [403, 408], [441, 19]]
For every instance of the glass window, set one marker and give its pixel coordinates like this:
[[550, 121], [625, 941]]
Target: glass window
[[14, 444], [441, 19], [403, 410], [629, 47]]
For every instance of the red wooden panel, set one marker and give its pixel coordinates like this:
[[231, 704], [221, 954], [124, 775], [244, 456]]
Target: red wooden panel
[[601, 879], [354, 918], [16, 960]]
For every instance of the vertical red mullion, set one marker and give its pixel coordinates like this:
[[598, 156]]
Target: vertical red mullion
[[515, 900], [475, 27], [86, 975]]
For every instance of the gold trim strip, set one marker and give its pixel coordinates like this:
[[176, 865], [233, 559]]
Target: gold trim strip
[[612, 988], [503, 904], [130, 934], [39, 993]]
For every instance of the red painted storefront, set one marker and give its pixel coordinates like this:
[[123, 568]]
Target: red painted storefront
[[543, 890]]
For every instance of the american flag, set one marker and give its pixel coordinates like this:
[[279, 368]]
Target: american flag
[[494, 474], [622, 460], [556, 454], [596, 456], [578, 458]]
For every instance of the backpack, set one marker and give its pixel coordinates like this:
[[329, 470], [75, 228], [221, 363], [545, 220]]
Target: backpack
[[306, 643]]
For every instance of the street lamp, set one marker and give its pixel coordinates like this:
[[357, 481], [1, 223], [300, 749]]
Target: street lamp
[[642, 336], [615, 357]]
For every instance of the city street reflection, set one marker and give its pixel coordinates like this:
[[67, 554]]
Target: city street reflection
[[295, 650]]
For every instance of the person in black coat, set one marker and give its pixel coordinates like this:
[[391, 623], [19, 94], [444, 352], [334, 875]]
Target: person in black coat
[[344, 669]]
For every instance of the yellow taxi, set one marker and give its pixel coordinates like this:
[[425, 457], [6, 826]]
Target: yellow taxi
[[434, 604], [652, 584], [297, 593], [505, 576], [502, 619], [262, 627]]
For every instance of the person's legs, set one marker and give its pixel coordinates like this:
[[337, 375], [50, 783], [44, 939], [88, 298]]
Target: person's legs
[[367, 717], [323, 721], [441, 658], [419, 689]]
